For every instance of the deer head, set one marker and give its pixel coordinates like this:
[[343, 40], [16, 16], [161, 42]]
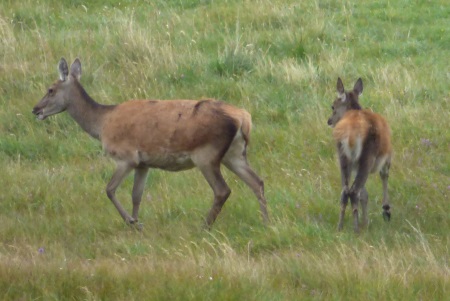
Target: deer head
[[346, 100], [58, 97]]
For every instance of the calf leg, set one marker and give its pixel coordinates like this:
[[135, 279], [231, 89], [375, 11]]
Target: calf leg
[[354, 199], [364, 199], [358, 186], [344, 202], [346, 170], [384, 174]]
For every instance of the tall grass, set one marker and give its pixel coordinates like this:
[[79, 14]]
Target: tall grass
[[62, 239]]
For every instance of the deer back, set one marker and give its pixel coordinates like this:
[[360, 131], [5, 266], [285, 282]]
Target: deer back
[[173, 127]]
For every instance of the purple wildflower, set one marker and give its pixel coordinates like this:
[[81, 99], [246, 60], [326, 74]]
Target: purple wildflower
[[426, 142]]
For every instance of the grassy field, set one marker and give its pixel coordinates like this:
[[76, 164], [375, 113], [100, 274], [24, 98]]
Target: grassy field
[[62, 239]]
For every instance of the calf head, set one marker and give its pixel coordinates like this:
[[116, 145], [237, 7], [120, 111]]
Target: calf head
[[346, 100]]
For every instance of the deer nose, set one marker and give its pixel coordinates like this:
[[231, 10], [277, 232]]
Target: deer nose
[[36, 110], [329, 121]]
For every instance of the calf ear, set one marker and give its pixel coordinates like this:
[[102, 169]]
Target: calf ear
[[340, 89], [75, 69], [358, 88], [63, 69]]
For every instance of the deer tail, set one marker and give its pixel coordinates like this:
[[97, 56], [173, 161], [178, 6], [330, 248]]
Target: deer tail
[[246, 126]]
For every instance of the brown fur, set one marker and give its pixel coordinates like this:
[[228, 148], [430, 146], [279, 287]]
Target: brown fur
[[171, 126], [364, 145], [171, 135], [364, 125]]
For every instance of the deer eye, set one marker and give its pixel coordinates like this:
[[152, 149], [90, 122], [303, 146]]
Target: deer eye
[[50, 91], [332, 107]]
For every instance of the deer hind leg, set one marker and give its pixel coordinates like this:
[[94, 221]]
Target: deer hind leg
[[346, 170], [122, 170], [364, 200], [140, 176], [344, 202], [358, 188], [384, 174], [239, 166], [354, 199], [212, 174]]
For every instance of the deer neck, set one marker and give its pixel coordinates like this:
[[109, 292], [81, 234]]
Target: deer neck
[[87, 112]]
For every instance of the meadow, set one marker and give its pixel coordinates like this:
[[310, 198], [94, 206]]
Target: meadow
[[62, 239]]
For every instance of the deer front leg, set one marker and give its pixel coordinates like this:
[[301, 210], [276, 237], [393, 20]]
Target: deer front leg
[[384, 175], [140, 176], [122, 170]]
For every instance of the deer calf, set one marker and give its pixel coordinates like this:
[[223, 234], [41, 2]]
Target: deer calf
[[363, 142], [172, 135]]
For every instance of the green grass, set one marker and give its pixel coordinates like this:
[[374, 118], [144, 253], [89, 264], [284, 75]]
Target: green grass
[[62, 239]]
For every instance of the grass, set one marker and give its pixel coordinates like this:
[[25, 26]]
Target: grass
[[61, 239]]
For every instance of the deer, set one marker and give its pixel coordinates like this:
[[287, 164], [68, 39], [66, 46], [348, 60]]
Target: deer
[[363, 141], [171, 135]]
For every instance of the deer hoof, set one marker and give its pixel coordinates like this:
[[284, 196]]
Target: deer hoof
[[138, 226], [135, 224], [386, 215]]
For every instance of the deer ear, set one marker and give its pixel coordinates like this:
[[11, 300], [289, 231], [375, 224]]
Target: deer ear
[[358, 88], [340, 89], [75, 69], [63, 69]]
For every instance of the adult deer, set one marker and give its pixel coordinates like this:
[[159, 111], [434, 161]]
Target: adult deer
[[363, 142], [172, 135]]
